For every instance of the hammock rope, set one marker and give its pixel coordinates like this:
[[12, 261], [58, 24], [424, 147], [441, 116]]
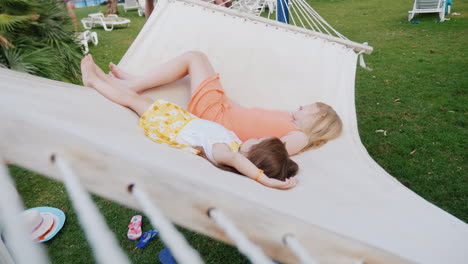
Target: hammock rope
[[102, 240], [298, 249], [299, 10], [243, 244], [180, 248], [283, 8]]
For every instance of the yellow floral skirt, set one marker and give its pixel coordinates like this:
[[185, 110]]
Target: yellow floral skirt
[[163, 121]]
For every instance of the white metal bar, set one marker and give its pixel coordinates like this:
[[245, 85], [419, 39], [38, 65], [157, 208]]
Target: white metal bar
[[102, 240], [181, 250], [23, 249]]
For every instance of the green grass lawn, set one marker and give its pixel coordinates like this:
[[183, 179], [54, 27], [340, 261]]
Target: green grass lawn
[[417, 92]]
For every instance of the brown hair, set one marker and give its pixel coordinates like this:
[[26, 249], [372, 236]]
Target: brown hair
[[271, 156]]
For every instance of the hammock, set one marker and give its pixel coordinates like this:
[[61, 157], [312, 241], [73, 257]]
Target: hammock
[[346, 208]]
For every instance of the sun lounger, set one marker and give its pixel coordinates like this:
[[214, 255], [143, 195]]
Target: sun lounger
[[84, 37], [142, 7], [135, 4], [107, 23], [428, 6]]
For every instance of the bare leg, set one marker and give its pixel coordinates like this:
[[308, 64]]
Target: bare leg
[[193, 63], [149, 8], [119, 74], [115, 82], [123, 97]]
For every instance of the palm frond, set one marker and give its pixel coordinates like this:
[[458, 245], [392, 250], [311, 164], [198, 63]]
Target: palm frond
[[42, 46], [17, 7], [39, 62], [10, 22]]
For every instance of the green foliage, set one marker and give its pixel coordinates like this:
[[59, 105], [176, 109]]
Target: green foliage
[[33, 39], [15, 7]]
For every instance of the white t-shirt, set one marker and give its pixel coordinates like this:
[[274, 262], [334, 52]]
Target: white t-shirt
[[205, 133]]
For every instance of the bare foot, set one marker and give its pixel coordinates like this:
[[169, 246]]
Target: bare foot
[[98, 70], [119, 73], [87, 71], [115, 82], [118, 83]]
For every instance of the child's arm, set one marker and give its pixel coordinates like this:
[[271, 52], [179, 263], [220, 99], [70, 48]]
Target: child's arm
[[294, 142], [223, 155]]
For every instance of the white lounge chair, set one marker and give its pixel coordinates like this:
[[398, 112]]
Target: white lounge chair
[[107, 23], [142, 7], [84, 37], [428, 6], [134, 4]]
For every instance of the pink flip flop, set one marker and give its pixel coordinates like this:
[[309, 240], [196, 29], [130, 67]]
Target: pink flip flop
[[134, 228]]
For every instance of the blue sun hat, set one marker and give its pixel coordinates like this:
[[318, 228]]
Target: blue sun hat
[[44, 222]]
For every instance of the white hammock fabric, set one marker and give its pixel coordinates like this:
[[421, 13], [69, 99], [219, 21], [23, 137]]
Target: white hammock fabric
[[345, 209]]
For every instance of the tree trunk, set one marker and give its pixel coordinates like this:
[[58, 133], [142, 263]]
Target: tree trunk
[[112, 7]]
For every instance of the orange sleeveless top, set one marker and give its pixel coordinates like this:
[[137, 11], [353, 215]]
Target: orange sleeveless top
[[210, 102]]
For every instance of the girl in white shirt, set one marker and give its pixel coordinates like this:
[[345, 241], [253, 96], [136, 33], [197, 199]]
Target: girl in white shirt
[[265, 160]]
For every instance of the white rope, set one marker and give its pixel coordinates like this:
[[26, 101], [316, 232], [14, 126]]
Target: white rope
[[250, 250], [362, 63], [294, 6], [314, 16], [263, 6], [292, 14], [260, 6], [180, 249], [282, 10], [102, 240], [322, 21], [299, 250], [310, 17], [23, 249], [284, 6]]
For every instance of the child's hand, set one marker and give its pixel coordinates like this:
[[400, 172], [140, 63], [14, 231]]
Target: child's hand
[[282, 185]]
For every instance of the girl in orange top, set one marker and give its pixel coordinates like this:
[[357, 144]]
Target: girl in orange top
[[310, 126], [264, 160]]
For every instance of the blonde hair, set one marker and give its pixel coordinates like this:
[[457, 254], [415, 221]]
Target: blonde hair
[[326, 125]]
